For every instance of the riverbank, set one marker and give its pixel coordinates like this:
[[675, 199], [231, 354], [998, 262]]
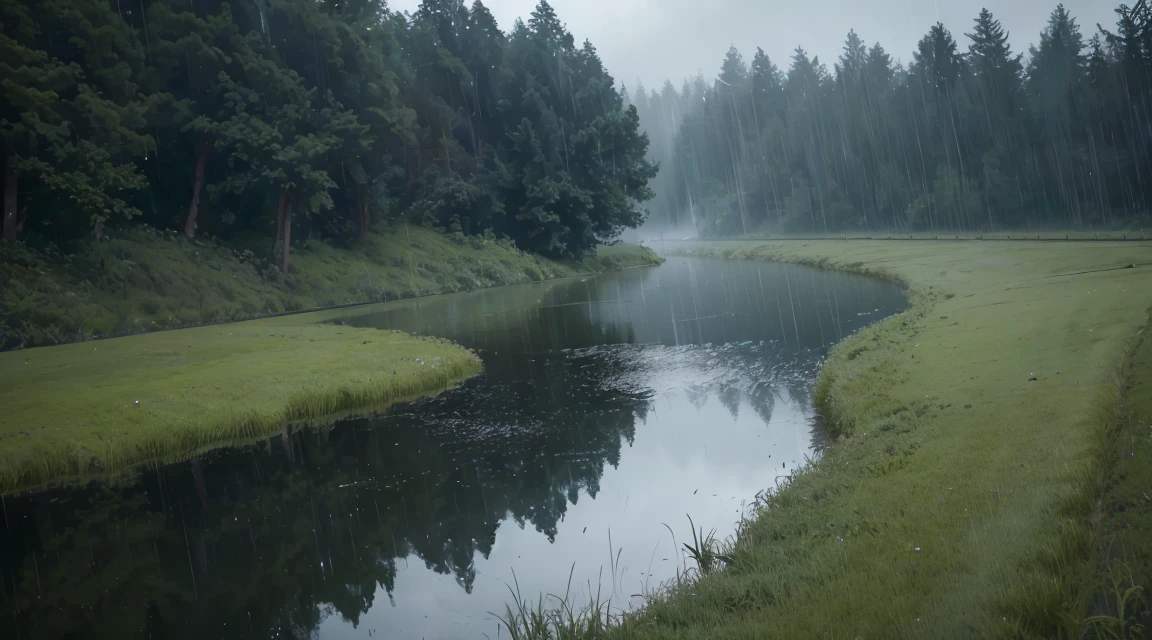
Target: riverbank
[[100, 407], [144, 280], [963, 494], [1126, 506], [1133, 234], [91, 408]]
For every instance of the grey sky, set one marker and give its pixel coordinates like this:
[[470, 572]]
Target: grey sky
[[657, 39]]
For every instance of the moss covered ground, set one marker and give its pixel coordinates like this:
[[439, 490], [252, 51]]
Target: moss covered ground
[[968, 491], [144, 279], [100, 407]]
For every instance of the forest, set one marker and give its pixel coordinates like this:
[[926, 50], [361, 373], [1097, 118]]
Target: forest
[[969, 135], [270, 122]]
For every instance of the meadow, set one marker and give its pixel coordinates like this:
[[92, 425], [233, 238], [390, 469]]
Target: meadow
[[974, 486]]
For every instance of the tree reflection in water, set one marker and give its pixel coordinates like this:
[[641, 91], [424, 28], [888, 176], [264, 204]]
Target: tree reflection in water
[[271, 539]]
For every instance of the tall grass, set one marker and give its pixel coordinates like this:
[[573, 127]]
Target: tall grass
[[705, 550], [556, 617], [1124, 602], [1119, 606]]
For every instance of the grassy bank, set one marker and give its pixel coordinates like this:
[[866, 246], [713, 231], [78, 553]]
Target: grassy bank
[[963, 494], [1134, 233], [145, 279], [1123, 599], [77, 409]]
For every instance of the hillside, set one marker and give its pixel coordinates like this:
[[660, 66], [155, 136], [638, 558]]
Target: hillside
[[145, 279]]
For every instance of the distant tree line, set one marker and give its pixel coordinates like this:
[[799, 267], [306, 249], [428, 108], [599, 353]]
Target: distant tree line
[[291, 118], [968, 135]]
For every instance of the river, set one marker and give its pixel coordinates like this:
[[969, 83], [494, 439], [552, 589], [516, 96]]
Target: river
[[609, 410]]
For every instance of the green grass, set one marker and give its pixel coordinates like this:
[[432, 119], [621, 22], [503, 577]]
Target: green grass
[[960, 497], [71, 410], [144, 279], [1132, 233], [554, 618], [102, 407], [1122, 605]]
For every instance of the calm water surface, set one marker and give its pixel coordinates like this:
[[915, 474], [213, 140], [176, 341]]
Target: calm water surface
[[609, 407]]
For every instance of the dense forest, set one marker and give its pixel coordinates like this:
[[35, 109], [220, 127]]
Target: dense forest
[[277, 121], [291, 119], [969, 135]]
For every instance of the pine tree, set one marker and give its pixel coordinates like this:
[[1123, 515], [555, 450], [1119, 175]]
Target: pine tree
[[1056, 74], [442, 117], [997, 134], [640, 100], [937, 94], [545, 25], [1128, 100], [733, 71], [766, 79], [998, 73], [937, 63], [851, 66], [966, 141]]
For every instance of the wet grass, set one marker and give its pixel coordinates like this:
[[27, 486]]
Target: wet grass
[[1134, 232], [973, 433], [555, 617], [705, 550], [101, 407], [144, 280], [1122, 606]]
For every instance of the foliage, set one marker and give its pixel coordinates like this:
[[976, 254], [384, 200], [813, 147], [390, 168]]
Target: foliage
[[955, 140], [113, 114], [706, 551], [145, 279]]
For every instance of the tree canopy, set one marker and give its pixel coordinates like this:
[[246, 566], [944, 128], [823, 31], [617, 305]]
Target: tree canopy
[[301, 118], [293, 119]]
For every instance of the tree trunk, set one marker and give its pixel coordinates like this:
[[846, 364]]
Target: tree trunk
[[197, 184], [362, 196], [279, 219], [10, 193], [286, 243]]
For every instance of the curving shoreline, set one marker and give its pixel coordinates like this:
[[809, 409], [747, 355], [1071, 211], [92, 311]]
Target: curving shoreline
[[142, 280], [975, 438], [206, 380], [99, 408]]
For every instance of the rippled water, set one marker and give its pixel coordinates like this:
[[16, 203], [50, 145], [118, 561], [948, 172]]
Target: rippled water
[[609, 407]]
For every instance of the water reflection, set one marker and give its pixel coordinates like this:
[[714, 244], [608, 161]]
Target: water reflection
[[609, 406]]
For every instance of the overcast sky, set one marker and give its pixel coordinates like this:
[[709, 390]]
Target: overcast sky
[[657, 39]]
